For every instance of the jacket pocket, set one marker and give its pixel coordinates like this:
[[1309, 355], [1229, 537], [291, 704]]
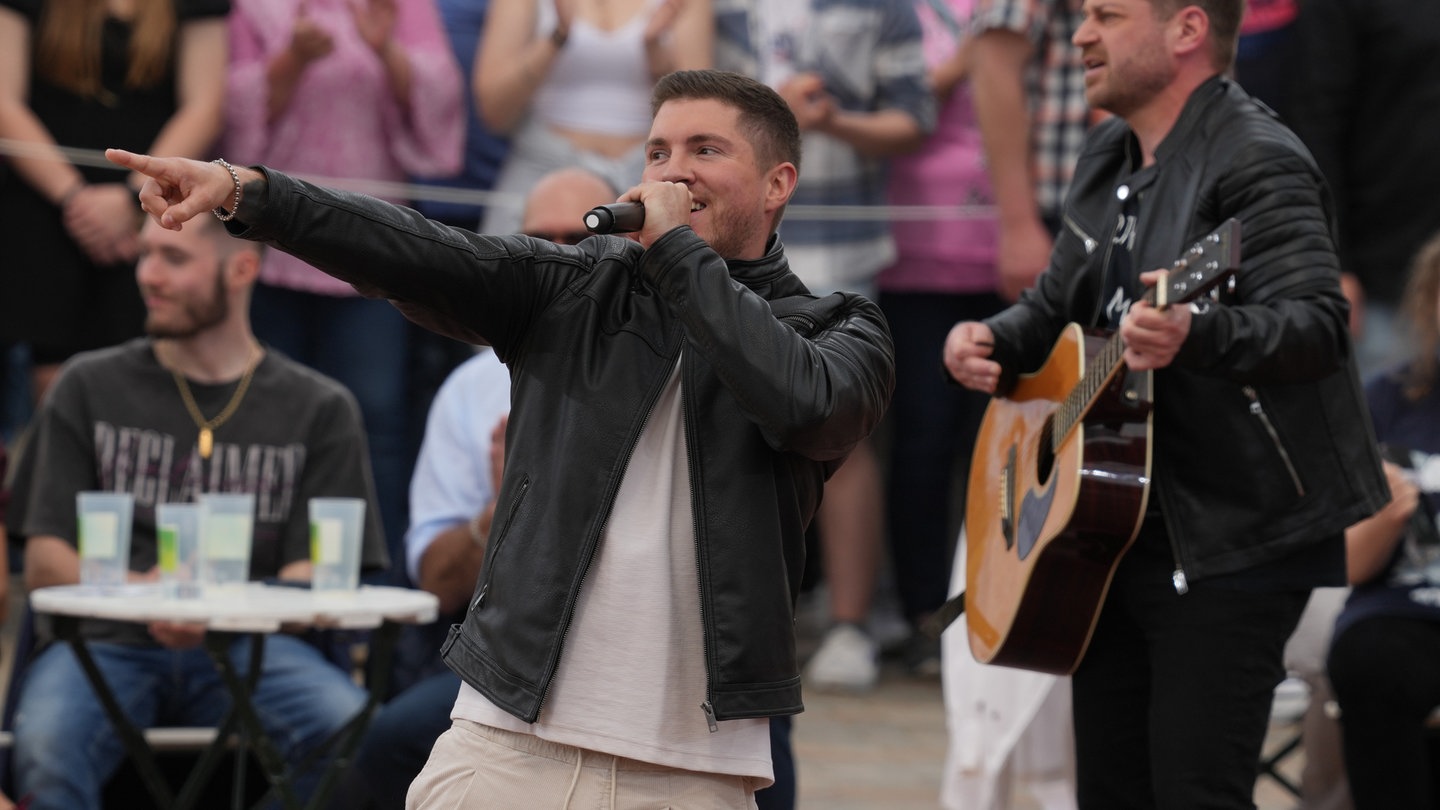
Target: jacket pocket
[[1262, 418], [1088, 242], [493, 555]]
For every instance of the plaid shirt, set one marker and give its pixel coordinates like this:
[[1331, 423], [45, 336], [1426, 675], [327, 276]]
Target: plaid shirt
[[869, 53], [1054, 87]]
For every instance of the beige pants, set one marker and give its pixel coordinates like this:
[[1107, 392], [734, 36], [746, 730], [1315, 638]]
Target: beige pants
[[475, 766]]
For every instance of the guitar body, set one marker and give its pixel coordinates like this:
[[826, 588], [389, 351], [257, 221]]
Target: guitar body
[[1048, 519]]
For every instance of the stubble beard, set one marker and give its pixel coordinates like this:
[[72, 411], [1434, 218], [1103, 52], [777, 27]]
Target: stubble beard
[[731, 232], [198, 315], [1132, 84]]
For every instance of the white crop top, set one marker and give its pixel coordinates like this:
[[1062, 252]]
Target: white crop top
[[600, 81]]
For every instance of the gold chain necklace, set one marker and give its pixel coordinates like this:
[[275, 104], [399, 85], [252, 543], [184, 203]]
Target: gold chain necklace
[[206, 441]]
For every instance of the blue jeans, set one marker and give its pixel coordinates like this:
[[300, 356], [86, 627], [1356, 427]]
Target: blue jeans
[[363, 343], [66, 749], [781, 795]]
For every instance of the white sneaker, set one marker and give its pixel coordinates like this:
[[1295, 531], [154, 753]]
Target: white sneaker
[[846, 661]]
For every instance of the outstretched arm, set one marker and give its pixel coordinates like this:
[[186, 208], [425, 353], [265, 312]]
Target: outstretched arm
[[177, 189]]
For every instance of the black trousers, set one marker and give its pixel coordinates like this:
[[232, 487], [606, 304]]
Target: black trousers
[[1385, 672], [932, 424], [1172, 700]]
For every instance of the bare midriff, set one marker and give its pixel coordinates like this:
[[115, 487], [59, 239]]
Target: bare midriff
[[611, 146]]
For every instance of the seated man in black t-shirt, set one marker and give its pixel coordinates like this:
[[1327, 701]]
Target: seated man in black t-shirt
[[198, 406]]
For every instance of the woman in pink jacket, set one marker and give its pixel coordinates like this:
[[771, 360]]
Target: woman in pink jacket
[[350, 90]]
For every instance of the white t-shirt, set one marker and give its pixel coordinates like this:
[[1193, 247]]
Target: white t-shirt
[[632, 673], [600, 81]]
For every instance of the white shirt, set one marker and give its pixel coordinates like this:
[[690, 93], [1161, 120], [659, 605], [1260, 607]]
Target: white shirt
[[632, 672]]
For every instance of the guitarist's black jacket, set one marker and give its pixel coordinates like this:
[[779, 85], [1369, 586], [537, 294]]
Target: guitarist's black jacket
[[1261, 442]]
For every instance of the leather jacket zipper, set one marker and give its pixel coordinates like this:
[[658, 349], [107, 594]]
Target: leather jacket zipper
[[590, 558], [1258, 411], [1089, 241], [705, 707], [500, 540], [1178, 579]]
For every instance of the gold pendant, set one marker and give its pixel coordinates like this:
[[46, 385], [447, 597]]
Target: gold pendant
[[207, 443]]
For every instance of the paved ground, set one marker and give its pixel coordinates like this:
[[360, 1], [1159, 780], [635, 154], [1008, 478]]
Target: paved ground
[[886, 750]]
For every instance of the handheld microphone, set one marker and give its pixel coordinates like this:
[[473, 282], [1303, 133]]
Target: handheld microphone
[[621, 217]]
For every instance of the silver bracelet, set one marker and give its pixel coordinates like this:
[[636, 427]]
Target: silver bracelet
[[220, 213]]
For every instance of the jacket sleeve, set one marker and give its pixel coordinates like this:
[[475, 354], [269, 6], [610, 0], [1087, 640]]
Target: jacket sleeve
[[1288, 320], [477, 289], [1025, 333], [816, 387]]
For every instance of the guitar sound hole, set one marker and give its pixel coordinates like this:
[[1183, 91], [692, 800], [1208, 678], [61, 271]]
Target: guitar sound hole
[[1045, 455]]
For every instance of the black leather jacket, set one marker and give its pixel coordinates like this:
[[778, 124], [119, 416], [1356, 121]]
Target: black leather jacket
[[1261, 441], [777, 387]]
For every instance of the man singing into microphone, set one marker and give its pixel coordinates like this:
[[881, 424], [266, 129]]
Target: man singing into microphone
[[678, 402]]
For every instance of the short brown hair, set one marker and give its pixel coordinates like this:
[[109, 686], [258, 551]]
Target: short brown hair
[[764, 116], [1224, 18]]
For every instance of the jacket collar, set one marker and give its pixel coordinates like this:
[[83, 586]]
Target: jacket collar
[[1190, 117], [764, 270]]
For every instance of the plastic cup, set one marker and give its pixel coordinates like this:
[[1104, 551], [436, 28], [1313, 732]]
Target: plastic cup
[[336, 526], [227, 522], [104, 523], [177, 533]]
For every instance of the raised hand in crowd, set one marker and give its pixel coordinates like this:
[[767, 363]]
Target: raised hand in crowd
[[309, 41], [808, 100], [375, 20], [657, 36]]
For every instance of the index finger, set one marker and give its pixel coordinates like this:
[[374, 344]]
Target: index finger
[[173, 194], [145, 164]]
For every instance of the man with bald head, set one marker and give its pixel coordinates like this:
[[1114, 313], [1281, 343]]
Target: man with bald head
[[556, 206]]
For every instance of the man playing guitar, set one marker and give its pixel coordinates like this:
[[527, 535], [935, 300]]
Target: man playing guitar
[[1260, 451]]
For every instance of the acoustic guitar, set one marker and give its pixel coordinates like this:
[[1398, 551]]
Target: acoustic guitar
[[1060, 480]]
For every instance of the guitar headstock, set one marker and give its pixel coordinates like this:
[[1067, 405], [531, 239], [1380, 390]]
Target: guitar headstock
[[1207, 263]]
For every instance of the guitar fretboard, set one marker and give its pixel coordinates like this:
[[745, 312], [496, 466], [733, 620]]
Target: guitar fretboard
[[1202, 266]]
